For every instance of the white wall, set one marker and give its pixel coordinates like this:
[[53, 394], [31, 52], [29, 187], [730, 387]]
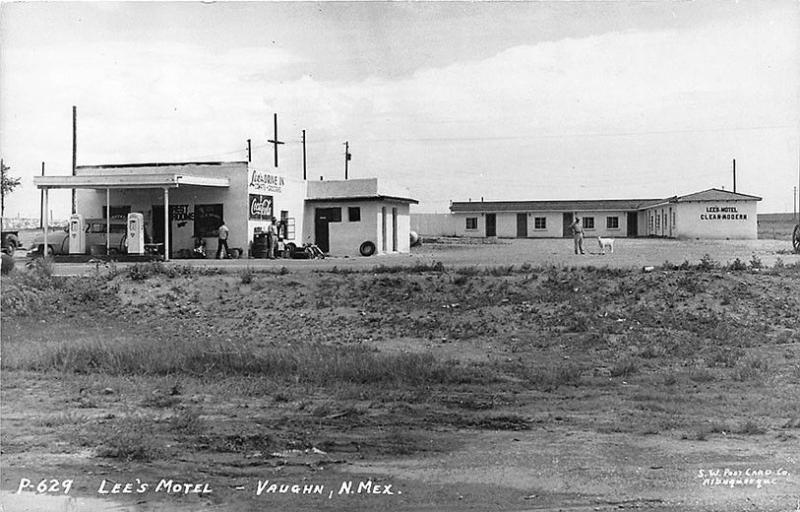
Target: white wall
[[287, 194], [435, 224], [345, 237], [554, 221], [710, 220]]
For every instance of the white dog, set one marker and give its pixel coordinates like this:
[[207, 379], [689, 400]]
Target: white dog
[[606, 242]]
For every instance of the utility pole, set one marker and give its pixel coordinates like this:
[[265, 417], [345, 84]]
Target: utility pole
[[275, 141], [304, 155], [734, 175], [249, 153], [41, 204], [74, 150], [347, 157], [794, 204]]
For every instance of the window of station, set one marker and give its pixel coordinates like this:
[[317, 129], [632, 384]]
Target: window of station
[[207, 218], [612, 222], [472, 222], [588, 223], [354, 214]]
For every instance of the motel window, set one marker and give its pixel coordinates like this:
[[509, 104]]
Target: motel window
[[207, 218], [540, 223], [612, 222], [354, 214], [472, 222], [588, 223]]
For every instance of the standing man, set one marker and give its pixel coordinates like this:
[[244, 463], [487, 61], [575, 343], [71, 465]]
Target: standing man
[[577, 234], [222, 240], [272, 239]]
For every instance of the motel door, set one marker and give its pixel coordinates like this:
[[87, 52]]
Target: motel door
[[491, 224], [567, 226], [633, 224], [522, 225]]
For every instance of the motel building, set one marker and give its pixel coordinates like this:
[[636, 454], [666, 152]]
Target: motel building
[[177, 203], [710, 214]]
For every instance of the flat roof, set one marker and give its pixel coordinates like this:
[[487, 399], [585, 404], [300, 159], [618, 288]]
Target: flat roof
[[333, 199], [156, 164], [712, 194], [131, 181], [549, 206]]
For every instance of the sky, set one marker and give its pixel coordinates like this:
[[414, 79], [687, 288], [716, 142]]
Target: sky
[[455, 101]]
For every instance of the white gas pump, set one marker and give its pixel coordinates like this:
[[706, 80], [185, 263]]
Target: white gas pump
[[135, 233], [77, 234]]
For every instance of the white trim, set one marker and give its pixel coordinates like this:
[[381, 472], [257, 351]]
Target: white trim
[[128, 181]]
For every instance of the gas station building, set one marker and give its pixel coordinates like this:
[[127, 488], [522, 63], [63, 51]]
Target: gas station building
[[173, 204]]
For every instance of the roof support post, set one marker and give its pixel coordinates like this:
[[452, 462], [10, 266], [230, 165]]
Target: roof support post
[[166, 224], [108, 221]]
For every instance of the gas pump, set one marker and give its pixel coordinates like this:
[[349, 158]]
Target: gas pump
[[77, 234], [135, 233]]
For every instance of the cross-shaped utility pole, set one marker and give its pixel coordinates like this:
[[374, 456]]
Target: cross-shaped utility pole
[[275, 141]]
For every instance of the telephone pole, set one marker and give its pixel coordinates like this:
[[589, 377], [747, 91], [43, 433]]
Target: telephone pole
[[304, 155], [249, 152], [347, 157], [74, 150], [734, 175], [41, 204], [275, 142]]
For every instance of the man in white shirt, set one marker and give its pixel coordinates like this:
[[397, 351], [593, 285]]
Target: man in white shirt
[[222, 240]]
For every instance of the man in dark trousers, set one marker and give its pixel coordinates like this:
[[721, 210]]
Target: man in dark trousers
[[222, 240], [577, 235]]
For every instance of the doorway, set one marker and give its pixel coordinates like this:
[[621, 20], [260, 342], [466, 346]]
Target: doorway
[[491, 224], [567, 233], [633, 224], [322, 217], [522, 225]]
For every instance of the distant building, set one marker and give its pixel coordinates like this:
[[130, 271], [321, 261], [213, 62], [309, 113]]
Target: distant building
[[710, 214]]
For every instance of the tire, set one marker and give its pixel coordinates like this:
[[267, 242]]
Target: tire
[[40, 250], [289, 250], [367, 249]]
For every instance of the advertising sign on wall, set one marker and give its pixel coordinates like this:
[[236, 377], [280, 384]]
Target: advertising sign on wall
[[260, 207], [262, 181], [722, 213]]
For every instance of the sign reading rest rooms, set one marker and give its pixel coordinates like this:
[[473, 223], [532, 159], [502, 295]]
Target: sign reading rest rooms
[[722, 213]]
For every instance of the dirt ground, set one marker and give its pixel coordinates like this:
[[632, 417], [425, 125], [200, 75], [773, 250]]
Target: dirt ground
[[461, 377]]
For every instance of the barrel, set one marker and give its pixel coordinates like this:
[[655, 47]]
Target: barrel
[[260, 246]]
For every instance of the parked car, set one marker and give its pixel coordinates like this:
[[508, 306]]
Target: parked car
[[58, 240]]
